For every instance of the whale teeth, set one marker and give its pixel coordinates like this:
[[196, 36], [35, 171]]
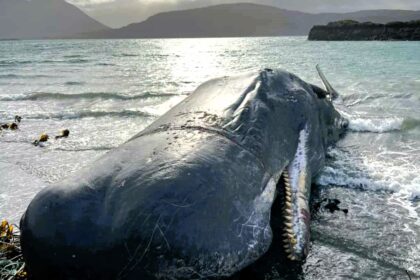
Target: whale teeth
[[289, 225], [289, 237], [288, 216], [288, 230]]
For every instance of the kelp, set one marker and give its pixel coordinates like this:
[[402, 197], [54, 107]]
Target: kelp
[[12, 266]]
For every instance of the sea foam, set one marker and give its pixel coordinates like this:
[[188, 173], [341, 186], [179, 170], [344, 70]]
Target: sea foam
[[382, 125], [376, 125], [364, 172]]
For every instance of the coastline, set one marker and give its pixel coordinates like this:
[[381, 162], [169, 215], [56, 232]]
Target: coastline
[[350, 30]]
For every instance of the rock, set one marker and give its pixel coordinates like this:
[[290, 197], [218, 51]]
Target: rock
[[350, 30]]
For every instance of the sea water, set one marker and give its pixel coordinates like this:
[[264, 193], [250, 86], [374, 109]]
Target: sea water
[[105, 91]]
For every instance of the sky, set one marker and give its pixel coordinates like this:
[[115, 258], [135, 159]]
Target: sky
[[117, 13]]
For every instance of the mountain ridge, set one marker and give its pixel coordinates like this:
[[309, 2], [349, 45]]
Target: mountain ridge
[[59, 19], [37, 19], [241, 20]]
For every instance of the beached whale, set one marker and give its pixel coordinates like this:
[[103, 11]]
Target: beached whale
[[190, 196]]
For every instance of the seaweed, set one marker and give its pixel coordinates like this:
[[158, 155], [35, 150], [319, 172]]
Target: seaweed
[[12, 265]]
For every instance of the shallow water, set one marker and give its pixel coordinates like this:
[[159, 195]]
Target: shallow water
[[105, 91]]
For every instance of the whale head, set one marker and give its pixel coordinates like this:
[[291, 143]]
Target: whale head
[[315, 136]]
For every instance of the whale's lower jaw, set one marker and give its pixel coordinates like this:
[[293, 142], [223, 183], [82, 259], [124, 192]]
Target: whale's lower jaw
[[294, 229], [296, 182]]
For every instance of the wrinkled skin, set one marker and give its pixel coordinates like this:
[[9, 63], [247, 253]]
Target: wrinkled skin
[[190, 196]]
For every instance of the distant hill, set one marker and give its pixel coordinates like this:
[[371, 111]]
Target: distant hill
[[229, 20], [241, 19], [350, 30], [26, 19]]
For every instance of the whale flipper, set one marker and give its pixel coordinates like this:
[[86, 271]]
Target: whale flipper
[[331, 91]]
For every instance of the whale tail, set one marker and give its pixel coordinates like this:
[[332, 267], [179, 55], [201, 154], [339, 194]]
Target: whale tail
[[333, 94]]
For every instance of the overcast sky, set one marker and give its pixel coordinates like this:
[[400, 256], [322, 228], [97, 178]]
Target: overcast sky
[[117, 13]]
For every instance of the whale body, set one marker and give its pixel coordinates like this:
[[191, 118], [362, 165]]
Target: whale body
[[190, 196]]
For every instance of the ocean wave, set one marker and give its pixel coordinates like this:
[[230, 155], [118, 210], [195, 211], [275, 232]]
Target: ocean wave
[[100, 148], [352, 100], [9, 76], [356, 99], [72, 83], [383, 125], [85, 95], [105, 64], [89, 114], [125, 55], [73, 56], [14, 62], [71, 61], [47, 61], [77, 61], [364, 172], [17, 76]]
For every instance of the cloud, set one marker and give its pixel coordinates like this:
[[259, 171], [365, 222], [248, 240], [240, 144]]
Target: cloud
[[82, 3], [117, 13]]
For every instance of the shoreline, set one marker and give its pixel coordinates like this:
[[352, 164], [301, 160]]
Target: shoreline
[[350, 30]]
